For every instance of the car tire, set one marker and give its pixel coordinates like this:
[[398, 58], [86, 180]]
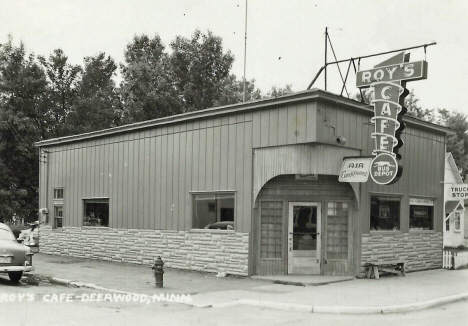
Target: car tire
[[15, 277]]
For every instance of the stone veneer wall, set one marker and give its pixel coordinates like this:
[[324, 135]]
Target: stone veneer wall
[[420, 250], [197, 251]]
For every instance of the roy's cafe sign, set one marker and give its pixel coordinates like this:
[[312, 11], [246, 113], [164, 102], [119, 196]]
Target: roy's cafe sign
[[389, 82]]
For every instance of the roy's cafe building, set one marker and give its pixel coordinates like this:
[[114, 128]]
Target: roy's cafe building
[[274, 186]]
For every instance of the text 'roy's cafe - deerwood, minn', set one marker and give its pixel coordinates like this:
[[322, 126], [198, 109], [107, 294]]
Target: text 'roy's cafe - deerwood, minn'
[[389, 82]]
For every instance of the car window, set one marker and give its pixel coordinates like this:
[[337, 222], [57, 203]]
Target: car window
[[6, 235]]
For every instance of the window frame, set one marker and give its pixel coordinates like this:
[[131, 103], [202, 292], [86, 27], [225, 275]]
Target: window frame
[[192, 195], [432, 204], [58, 191], [104, 200], [57, 201], [399, 197], [56, 207], [457, 216]]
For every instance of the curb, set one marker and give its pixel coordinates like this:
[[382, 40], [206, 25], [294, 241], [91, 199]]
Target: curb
[[92, 286], [59, 281], [295, 307], [346, 309]]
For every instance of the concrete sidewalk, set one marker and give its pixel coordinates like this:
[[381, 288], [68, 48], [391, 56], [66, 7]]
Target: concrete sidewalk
[[416, 291]]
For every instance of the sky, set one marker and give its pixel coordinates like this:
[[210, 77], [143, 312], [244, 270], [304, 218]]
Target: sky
[[285, 38]]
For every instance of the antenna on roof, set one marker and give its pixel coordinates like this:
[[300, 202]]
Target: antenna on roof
[[245, 49]]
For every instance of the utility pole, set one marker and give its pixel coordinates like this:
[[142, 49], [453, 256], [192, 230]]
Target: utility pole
[[245, 49]]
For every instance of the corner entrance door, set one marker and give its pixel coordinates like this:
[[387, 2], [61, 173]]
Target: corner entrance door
[[304, 238]]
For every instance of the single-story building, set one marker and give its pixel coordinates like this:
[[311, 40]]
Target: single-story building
[[245, 189]]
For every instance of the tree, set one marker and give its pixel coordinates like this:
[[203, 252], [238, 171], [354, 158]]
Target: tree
[[456, 144], [232, 91], [61, 93], [278, 91], [366, 97], [22, 122], [411, 103], [97, 105], [147, 90], [415, 110], [199, 69]]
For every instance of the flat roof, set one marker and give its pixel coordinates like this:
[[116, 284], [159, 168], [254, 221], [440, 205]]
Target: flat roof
[[302, 96]]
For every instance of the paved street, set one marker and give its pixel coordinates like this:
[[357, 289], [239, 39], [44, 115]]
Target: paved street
[[40, 312], [122, 294]]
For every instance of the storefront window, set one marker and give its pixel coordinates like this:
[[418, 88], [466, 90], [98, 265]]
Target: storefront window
[[213, 211], [421, 214], [96, 212], [385, 213]]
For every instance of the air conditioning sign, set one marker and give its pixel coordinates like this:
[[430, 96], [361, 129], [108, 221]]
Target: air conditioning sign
[[389, 81], [355, 169]]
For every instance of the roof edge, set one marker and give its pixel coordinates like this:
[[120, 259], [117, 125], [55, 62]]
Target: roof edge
[[234, 108]]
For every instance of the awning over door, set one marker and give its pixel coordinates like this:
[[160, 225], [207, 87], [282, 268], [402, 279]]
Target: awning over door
[[270, 162]]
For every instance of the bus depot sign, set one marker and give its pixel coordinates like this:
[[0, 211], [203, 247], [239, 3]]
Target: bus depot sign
[[457, 192], [389, 82]]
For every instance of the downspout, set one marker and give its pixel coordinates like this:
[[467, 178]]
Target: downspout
[[252, 251], [44, 160]]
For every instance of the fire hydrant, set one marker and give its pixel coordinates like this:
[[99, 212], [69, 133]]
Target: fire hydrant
[[158, 271]]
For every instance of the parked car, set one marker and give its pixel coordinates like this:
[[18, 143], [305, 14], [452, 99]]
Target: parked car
[[15, 258]]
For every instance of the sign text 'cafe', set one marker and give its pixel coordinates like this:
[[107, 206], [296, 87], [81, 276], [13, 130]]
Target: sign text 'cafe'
[[389, 82]]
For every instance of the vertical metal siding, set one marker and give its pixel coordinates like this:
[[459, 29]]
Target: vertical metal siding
[[241, 157], [231, 156], [422, 152], [153, 174], [181, 190], [173, 218], [140, 182], [244, 223], [145, 175], [148, 174], [224, 171]]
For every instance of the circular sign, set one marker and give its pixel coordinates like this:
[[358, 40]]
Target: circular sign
[[384, 169]]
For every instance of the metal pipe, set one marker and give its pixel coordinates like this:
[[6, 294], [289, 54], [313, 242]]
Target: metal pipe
[[316, 76], [363, 57], [382, 53]]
